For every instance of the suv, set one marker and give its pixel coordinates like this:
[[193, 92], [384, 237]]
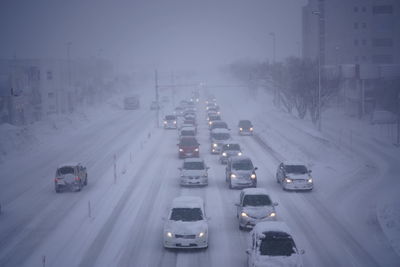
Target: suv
[[245, 127], [229, 150], [187, 224], [219, 124], [218, 137], [188, 147], [294, 176], [170, 122], [194, 172], [240, 172], [271, 243], [254, 206], [71, 176]]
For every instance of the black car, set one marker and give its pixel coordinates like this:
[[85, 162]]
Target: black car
[[245, 127]]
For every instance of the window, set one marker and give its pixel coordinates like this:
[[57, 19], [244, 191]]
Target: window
[[382, 59], [382, 42], [382, 9], [49, 75]]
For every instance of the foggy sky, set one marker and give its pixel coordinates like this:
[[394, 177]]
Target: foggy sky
[[171, 34]]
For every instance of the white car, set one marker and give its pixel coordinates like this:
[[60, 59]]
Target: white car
[[294, 176], [170, 122], [194, 172], [271, 244], [187, 131], [254, 206], [186, 225], [219, 137]]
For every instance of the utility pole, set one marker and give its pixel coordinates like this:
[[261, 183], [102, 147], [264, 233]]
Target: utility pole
[[70, 104], [173, 88], [398, 120], [277, 99], [158, 104]]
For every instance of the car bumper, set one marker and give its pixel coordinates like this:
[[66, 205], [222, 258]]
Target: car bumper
[[193, 181], [249, 222], [186, 243], [170, 126], [188, 155], [215, 150], [243, 183], [297, 186]]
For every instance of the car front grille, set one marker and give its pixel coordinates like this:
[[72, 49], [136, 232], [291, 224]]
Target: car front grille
[[186, 236]]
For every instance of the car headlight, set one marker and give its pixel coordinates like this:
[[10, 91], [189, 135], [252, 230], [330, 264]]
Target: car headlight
[[224, 154], [180, 150], [288, 180], [253, 176], [244, 214], [196, 149], [272, 214], [169, 234], [174, 122], [233, 175], [210, 122], [215, 145], [251, 129], [310, 180], [240, 129], [239, 153], [201, 234], [165, 122]]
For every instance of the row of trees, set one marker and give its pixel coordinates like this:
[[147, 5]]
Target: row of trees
[[294, 83]]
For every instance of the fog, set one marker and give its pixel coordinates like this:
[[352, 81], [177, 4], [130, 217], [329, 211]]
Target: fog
[[173, 34]]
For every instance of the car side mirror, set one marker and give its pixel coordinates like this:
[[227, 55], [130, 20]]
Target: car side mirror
[[163, 218], [275, 204], [207, 168], [302, 251], [255, 168], [180, 168], [309, 171], [237, 204], [248, 251]]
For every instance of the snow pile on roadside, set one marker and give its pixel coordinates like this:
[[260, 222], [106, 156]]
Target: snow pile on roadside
[[13, 139], [389, 219]]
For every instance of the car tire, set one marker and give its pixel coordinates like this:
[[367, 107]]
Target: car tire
[[277, 180], [230, 185], [241, 228], [58, 190], [86, 181], [79, 187]]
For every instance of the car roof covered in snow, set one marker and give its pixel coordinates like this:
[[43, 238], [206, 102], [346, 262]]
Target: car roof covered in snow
[[239, 158], [193, 160], [188, 128], [255, 191], [187, 202], [269, 226], [295, 163], [220, 130], [69, 164]]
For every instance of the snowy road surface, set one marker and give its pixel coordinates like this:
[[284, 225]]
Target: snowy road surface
[[119, 222]]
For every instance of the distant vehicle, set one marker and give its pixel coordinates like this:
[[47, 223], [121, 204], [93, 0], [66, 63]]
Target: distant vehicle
[[165, 99], [254, 206], [240, 172], [219, 137], [188, 147], [213, 118], [131, 102], [212, 105], [215, 109], [170, 122], [187, 224], [245, 127], [194, 172], [178, 111], [383, 117], [229, 150], [155, 105], [271, 244], [187, 131], [293, 176], [72, 176], [219, 124]]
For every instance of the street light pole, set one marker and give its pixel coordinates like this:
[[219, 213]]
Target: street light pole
[[276, 93], [317, 13]]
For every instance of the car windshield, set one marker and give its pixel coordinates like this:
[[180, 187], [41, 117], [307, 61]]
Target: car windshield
[[296, 169], [215, 118], [219, 125], [193, 165], [256, 200], [234, 147], [244, 124], [189, 142], [170, 117], [221, 136], [277, 244], [243, 165], [65, 170], [187, 133], [186, 214]]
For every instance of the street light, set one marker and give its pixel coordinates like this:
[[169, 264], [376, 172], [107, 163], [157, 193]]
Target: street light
[[319, 14]]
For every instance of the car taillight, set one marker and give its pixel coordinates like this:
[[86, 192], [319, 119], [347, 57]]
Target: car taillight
[[77, 179], [56, 179]]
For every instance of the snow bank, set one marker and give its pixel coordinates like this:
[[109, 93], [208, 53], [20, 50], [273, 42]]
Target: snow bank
[[13, 139], [389, 219]]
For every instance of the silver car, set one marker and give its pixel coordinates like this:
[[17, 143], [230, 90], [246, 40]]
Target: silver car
[[229, 150], [194, 172], [219, 137], [240, 172], [254, 206], [294, 176], [72, 176]]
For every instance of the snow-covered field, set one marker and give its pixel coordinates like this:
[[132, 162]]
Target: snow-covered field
[[351, 218]]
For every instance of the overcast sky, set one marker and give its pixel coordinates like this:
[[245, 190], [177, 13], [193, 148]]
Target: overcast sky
[[169, 34]]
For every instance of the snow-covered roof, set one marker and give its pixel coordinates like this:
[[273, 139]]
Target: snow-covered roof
[[255, 191], [68, 164], [188, 128], [193, 160], [239, 158], [269, 226], [220, 130], [187, 202], [294, 163]]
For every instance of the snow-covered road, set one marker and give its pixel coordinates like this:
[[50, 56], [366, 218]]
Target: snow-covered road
[[335, 223]]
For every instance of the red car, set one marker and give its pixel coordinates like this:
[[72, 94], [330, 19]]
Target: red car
[[188, 148]]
